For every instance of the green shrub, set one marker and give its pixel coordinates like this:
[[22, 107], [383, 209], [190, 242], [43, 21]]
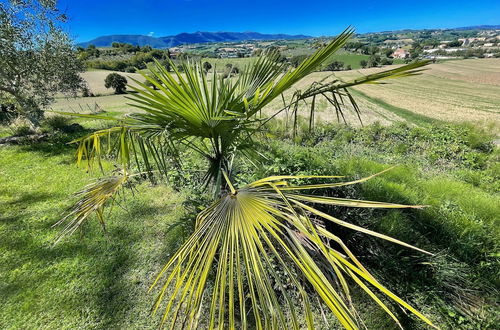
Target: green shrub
[[21, 127], [55, 123]]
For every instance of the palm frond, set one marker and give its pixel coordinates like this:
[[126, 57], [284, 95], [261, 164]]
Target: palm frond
[[93, 199], [238, 244], [246, 238], [218, 115]]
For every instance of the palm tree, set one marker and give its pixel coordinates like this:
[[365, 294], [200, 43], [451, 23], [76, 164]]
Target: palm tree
[[229, 266]]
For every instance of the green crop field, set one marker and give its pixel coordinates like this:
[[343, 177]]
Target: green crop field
[[351, 59]]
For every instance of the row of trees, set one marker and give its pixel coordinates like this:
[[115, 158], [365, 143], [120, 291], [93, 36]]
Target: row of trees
[[144, 55], [117, 49], [375, 61], [121, 62]]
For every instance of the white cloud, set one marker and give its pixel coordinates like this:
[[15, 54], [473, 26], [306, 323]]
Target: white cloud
[[151, 34]]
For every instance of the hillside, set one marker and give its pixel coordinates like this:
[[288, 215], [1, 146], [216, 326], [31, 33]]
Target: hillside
[[187, 38], [454, 91]]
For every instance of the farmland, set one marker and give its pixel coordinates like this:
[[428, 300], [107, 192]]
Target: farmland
[[454, 91]]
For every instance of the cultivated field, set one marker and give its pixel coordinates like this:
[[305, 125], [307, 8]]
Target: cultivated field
[[455, 91], [104, 98], [95, 80]]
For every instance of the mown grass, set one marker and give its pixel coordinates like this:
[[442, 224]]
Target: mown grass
[[91, 280], [408, 115], [452, 91]]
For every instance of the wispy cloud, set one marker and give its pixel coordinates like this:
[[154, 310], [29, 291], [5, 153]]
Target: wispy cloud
[[151, 34]]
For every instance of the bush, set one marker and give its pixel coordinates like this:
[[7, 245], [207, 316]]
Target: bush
[[7, 113], [55, 123], [335, 66], [150, 84], [386, 61], [59, 124], [230, 70], [297, 59], [374, 61], [87, 93], [21, 127], [207, 66]]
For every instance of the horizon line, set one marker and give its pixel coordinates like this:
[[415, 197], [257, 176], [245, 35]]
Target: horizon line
[[299, 34]]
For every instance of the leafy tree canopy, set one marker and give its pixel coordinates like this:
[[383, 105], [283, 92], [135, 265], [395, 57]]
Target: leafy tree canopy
[[37, 59], [117, 82]]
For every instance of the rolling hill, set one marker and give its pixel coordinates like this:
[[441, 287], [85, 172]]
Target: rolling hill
[[187, 38]]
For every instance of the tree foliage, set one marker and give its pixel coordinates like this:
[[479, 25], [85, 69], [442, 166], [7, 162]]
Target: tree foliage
[[297, 59], [117, 82], [335, 66], [207, 66], [37, 59]]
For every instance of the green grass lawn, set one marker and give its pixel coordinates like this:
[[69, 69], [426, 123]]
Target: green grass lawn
[[90, 280]]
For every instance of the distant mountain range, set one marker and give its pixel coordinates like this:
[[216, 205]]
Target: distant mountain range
[[187, 38], [479, 27], [202, 37]]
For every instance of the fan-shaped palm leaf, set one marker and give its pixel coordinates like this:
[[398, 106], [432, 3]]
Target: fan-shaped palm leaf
[[239, 242]]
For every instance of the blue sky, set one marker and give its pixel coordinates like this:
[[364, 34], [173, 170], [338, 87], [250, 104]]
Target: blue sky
[[93, 18]]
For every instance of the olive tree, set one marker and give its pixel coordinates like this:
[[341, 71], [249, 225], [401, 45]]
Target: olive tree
[[37, 59]]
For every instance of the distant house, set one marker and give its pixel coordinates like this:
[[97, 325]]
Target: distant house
[[174, 52], [227, 52], [465, 42], [401, 53]]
